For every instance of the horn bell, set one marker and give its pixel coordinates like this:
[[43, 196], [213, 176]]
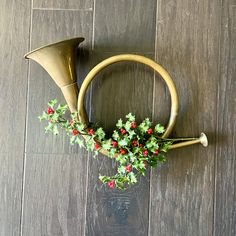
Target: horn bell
[[58, 59]]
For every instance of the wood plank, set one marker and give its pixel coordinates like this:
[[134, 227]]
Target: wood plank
[[225, 190], [54, 194], [120, 89], [187, 45], [55, 183], [62, 4], [125, 25], [114, 212], [14, 40], [54, 26]]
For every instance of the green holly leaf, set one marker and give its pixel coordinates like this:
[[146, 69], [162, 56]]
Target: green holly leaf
[[121, 170], [74, 115], [72, 140], [55, 130], [90, 144], [131, 134], [128, 125], [61, 109], [112, 152], [44, 116], [115, 135], [123, 142], [132, 177], [130, 117], [79, 141], [145, 125], [166, 146], [52, 103], [80, 127], [49, 128], [100, 133], [121, 159], [119, 124], [159, 129], [106, 144], [161, 158]]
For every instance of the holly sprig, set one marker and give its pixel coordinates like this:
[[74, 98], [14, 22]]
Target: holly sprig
[[134, 146]]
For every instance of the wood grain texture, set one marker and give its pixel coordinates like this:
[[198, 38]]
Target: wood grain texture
[[121, 88], [54, 195], [54, 26], [182, 191], [14, 39], [225, 190], [125, 25], [63, 4]]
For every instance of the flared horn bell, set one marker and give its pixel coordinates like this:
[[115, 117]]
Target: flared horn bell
[[58, 60]]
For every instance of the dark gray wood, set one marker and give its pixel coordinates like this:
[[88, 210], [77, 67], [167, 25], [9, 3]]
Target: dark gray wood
[[225, 190], [63, 4], [187, 44], [14, 40], [125, 25], [54, 26], [54, 195], [120, 89], [55, 180]]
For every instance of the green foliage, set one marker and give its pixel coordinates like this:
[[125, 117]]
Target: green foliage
[[134, 150]]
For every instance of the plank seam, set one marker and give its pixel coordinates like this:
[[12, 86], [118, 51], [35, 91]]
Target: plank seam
[[153, 111], [90, 113], [61, 9], [25, 128], [217, 125]]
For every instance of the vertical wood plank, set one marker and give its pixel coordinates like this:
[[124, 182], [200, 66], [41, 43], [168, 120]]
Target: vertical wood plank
[[14, 40], [182, 191], [54, 195], [63, 4], [55, 174], [54, 26], [122, 88], [225, 190], [125, 25]]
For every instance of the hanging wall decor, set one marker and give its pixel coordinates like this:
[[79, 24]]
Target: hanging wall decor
[[135, 146]]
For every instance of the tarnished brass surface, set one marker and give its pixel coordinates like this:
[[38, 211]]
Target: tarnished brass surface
[[58, 60]]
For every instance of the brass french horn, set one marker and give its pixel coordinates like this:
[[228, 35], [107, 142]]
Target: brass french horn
[[59, 59]]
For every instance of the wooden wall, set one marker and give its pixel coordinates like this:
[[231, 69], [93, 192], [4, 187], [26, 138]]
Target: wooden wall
[[48, 187]]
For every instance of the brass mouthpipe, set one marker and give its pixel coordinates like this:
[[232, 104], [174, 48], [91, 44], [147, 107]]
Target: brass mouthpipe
[[190, 141]]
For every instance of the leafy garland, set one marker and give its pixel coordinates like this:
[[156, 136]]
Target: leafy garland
[[134, 146]]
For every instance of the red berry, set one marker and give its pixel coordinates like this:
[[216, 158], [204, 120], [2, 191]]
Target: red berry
[[133, 125], [50, 110], [123, 151], [112, 184], [91, 132], [135, 143], [114, 144], [72, 122], [145, 153], [141, 145], [150, 131], [97, 146], [129, 168], [156, 152], [123, 131], [75, 132]]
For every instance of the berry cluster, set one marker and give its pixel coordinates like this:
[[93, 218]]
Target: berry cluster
[[135, 146]]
